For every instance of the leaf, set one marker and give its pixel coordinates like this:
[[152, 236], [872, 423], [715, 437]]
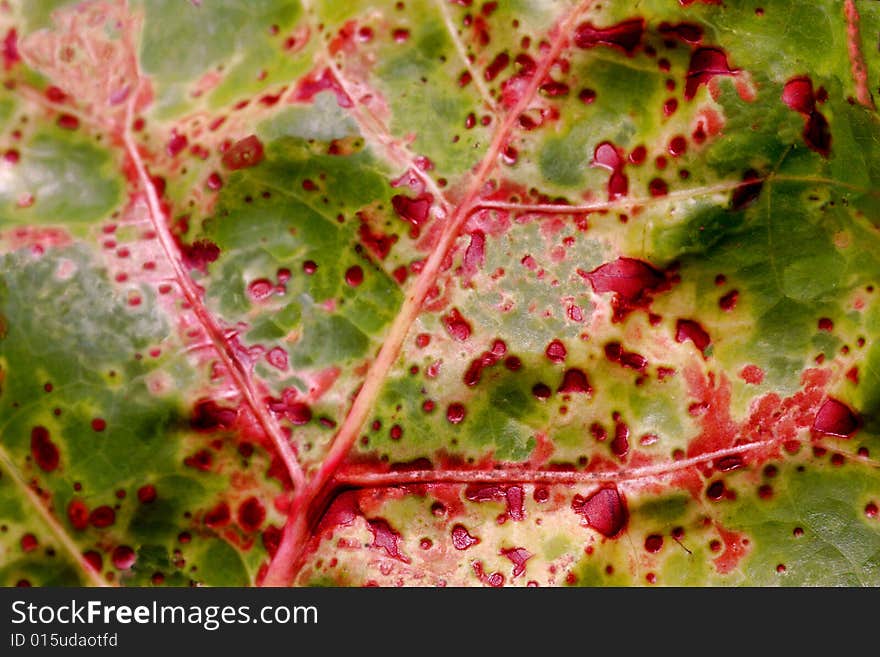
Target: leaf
[[439, 293]]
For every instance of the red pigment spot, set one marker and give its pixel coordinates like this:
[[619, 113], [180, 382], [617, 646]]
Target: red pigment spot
[[688, 329], [378, 243], [218, 516], [277, 358], [461, 538], [414, 210], [836, 419], [587, 96], [497, 65], [620, 443], [102, 516], [677, 146], [474, 255], [798, 95], [43, 450], [68, 122], [657, 187], [752, 374], [748, 191], [625, 36], [386, 538], [209, 416], [518, 556], [199, 254], [201, 460], [575, 381], [705, 64], [513, 496], [176, 144], [554, 88], [244, 153], [314, 84], [687, 32], [608, 157], [123, 557], [871, 510], [631, 280], [728, 301], [147, 494], [605, 511], [495, 580], [455, 413], [638, 155], [354, 275], [11, 55], [29, 543], [11, 156], [78, 514], [669, 107], [653, 543], [251, 514], [456, 325], [734, 550], [556, 351], [825, 324], [94, 559]]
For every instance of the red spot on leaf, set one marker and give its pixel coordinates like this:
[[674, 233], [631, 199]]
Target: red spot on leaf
[[244, 153], [456, 325], [461, 538], [625, 36], [251, 514], [518, 556], [705, 64], [385, 538], [43, 450], [604, 510], [836, 419]]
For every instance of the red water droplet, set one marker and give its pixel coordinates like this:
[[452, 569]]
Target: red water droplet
[[78, 514], [871, 510], [587, 96], [556, 351], [607, 156], [677, 146], [836, 419], [620, 443], [575, 381], [705, 64], [102, 516], [554, 88], [688, 329], [244, 153], [461, 538], [199, 254], [414, 210], [251, 514], [11, 156], [309, 267], [638, 155], [625, 36], [455, 413], [669, 107], [354, 275], [123, 557], [604, 510], [147, 494], [715, 491], [825, 324], [653, 543], [43, 450], [798, 95], [456, 325], [214, 181]]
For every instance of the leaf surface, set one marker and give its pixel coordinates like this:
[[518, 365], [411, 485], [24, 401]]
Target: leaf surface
[[439, 293]]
